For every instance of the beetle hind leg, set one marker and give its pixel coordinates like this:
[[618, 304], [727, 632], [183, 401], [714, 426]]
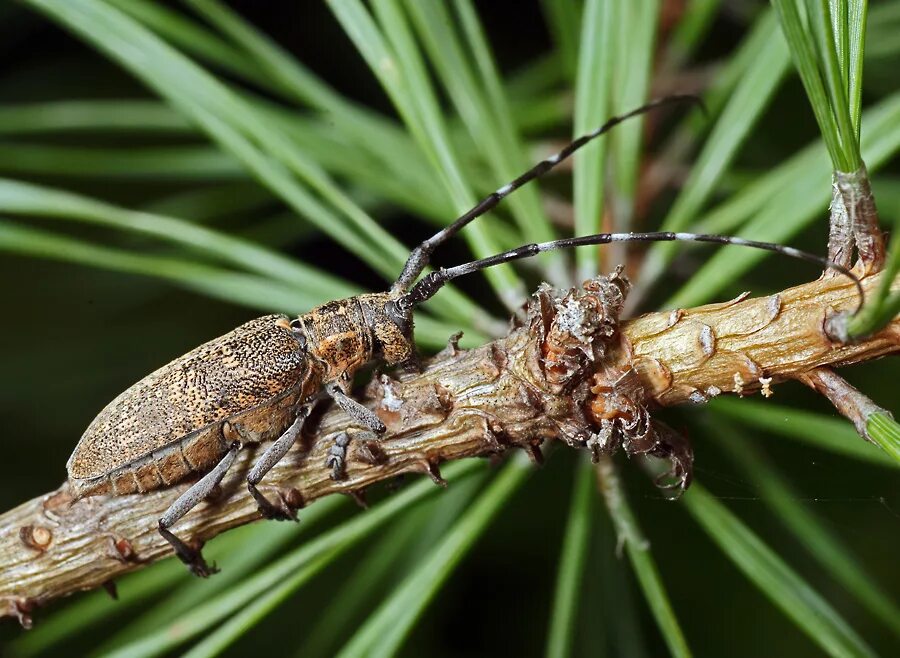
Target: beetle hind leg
[[192, 557], [273, 454]]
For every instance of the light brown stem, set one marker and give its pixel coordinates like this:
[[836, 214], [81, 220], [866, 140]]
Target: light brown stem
[[514, 392], [734, 347]]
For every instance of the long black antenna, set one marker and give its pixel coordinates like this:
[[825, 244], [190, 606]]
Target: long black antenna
[[428, 286], [419, 257]]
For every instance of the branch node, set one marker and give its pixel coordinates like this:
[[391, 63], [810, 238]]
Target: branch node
[[122, 549], [20, 608], [430, 467], [292, 498], [359, 497], [452, 348], [110, 588], [36, 537], [836, 327], [371, 453]]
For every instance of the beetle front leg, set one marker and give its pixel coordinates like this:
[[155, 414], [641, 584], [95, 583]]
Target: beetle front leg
[[270, 457], [337, 453], [185, 503], [413, 364], [354, 409]]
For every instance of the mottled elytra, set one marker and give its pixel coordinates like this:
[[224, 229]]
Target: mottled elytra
[[259, 382]]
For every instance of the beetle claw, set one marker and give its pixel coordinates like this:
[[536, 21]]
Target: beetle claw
[[191, 556], [268, 510], [200, 568], [279, 513]]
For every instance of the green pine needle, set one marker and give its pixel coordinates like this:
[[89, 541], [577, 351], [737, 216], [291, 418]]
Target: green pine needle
[[784, 587]]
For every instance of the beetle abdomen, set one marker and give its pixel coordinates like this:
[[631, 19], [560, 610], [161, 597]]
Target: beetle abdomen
[[170, 423], [194, 453], [197, 452]]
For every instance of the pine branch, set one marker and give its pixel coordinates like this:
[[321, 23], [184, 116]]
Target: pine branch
[[532, 385]]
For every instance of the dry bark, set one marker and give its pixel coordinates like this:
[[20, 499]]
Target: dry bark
[[566, 372], [854, 222]]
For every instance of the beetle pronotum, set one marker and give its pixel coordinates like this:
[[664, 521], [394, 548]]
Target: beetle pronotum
[[260, 381]]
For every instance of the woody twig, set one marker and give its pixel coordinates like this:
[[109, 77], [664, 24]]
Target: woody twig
[[854, 405], [558, 375]]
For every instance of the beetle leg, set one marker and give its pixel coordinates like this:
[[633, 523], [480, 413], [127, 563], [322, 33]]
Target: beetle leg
[[354, 409], [264, 464], [337, 456], [185, 503], [413, 364], [337, 453]]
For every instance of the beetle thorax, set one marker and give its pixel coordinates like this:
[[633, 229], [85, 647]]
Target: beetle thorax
[[346, 334]]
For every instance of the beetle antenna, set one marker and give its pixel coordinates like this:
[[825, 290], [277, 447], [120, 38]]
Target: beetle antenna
[[419, 257], [434, 281]]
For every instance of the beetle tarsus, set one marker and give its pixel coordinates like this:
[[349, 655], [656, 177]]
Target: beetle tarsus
[[192, 557], [269, 510], [336, 459], [337, 456], [413, 365]]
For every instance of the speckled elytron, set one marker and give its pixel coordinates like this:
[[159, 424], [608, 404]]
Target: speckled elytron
[[169, 424], [260, 381]]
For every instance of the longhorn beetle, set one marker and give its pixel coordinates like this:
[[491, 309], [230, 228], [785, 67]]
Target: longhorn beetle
[[260, 381]]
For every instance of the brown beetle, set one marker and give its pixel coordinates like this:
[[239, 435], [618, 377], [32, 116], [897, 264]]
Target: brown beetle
[[255, 383], [260, 381]]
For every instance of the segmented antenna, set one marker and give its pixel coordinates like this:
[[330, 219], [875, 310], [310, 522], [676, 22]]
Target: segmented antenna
[[434, 281], [428, 286], [419, 257]]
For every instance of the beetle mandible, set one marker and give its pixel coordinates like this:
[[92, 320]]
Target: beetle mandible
[[260, 381]]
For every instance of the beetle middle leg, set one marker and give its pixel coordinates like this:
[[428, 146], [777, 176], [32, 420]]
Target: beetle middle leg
[[264, 464], [185, 503]]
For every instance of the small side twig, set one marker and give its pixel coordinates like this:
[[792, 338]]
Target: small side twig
[[849, 402]]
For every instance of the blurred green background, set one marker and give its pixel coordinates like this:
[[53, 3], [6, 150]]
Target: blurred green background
[[285, 140]]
